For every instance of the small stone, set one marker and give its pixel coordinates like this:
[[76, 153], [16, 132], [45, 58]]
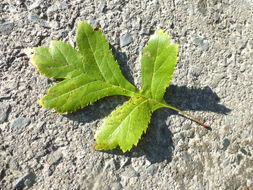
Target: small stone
[[62, 6], [55, 158], [102, 23], [244, 151], [233, 148], [243, 44], [20, 2], [125, 40], [77, 1], [151, 169], [26, 180], [6, 27], [226, 143], [40, 126], [205, 45], [202, 7], [192, 10], [3, 112], [143, 176], [250, 182], [2, 173], [102, 6], [13, 85], [201, 43], [229, 121], [35, 19], [215, 82], [216, 17], [116, 186], [214, 2], [5, 96], [198, 41], [13, 164], [20, 123], [51, 10], [130, 172], [239, 158], [54, 25], [145, 31], [130, 65], [136, 25], [55, 7], [35, 5]]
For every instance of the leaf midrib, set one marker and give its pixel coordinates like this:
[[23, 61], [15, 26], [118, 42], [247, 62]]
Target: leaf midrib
[[128, 115], [94, 57], [133, 93], [153, 73]]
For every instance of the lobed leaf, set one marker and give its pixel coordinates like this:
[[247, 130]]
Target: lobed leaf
[[59, 61], [90, 73], [100, 61], [72, 94], [124, 126], [157, 65]]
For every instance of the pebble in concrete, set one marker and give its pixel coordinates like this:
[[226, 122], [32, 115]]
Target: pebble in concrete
[[125, 40], [3, 112], [20, 123]]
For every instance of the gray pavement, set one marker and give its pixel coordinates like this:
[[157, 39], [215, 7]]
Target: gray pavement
[[40, 149]]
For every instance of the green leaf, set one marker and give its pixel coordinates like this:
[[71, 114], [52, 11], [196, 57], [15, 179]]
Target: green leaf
[[90, 73], [72, 94], [157, 65], [100, 62], [59, 61], [124, 126]]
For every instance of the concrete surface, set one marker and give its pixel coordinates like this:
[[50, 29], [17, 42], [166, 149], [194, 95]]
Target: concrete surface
[[40, 149]]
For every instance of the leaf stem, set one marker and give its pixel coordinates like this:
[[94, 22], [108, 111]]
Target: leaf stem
[[188, 115], [175, 109]]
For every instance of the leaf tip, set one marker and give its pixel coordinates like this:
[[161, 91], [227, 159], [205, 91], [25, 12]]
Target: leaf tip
[[82, 23], [94, 146], [160, 31], [31, 53], [41, 103], [124, 150]]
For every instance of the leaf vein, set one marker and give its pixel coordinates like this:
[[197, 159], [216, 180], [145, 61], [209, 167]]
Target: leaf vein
[[115, 131]]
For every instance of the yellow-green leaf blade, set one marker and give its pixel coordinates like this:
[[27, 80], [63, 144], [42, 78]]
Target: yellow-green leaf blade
[[89, 74], [72, 94], [59, 61], [125, 125], [98, 57], [158, 63]]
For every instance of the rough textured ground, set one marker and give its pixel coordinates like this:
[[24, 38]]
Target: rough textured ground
[[40, 149]]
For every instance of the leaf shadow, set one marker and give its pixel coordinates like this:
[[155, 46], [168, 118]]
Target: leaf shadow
[[98, 110], [194, 99], [157, 144], [126, 65]]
